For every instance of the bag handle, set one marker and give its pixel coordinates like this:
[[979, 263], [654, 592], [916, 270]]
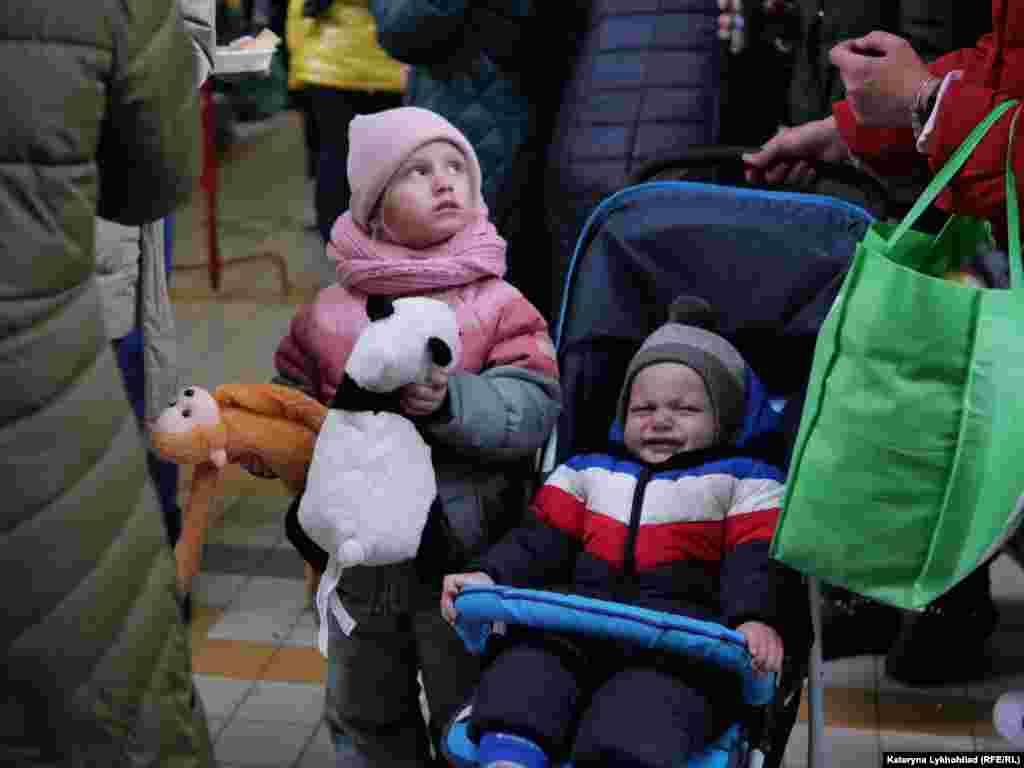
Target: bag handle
[[1013, 214], [949, 170]]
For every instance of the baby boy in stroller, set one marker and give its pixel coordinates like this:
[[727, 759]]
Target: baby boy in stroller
[[673, 517]]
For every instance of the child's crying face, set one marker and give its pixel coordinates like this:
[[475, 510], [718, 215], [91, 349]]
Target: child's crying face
[[669, 412]]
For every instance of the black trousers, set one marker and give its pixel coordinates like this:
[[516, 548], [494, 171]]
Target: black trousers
[[333, 109], [601, 703]]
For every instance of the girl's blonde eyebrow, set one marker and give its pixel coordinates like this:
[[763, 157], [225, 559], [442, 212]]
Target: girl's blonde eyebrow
[[410, 162]]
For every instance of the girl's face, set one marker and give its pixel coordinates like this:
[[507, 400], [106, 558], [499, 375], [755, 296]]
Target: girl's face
[[669, 412], [429, 199]]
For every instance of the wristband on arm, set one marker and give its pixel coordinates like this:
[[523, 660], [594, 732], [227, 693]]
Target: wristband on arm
[[924, 102]]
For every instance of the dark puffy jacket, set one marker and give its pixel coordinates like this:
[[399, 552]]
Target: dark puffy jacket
[[102, 118], [645, 85], [929, 25], [688, 536], [483, 65]]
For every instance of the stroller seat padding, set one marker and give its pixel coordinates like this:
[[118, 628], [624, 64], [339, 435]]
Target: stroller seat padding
[[479, 608]]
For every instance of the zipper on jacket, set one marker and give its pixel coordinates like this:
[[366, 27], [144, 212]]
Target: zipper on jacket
[[629, 555]]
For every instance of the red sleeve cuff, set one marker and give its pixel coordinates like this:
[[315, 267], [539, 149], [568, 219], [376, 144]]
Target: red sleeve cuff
[[845, 122], [891, 149]]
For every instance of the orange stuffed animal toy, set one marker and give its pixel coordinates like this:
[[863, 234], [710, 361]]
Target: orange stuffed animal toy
[[276, 424]]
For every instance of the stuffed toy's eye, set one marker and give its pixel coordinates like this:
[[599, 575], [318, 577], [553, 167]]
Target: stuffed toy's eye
[[186, 413], [189, 392], [440, 353]]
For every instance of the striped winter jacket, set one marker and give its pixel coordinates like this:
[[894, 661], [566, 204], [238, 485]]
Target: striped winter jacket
[[689, 536]]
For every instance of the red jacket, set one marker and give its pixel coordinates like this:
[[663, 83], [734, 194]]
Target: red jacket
[[993, 71]]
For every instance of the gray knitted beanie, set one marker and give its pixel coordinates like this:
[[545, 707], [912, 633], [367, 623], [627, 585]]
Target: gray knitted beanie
[[688, 338]]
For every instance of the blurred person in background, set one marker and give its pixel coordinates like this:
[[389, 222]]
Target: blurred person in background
[[336, 60], [494, 69], [642, 86], [900, 114], [102, 118], [797, 35]]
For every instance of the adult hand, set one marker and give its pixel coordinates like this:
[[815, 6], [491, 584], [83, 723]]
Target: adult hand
[[453, 584], [882, 75], [764, 644], [788, 156], [425, 399]]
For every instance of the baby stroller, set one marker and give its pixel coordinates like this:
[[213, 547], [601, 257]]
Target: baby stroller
[[771, 262]]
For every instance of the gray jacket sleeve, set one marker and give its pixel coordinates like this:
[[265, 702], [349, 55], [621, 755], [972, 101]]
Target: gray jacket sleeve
[[118, 258], [505, 413], [156, 316], [201, 21], [149, 149]]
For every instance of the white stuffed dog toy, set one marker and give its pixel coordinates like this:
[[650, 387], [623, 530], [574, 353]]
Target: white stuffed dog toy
[[371, 482]]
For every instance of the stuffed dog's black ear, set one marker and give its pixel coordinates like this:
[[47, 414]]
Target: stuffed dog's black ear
[[440, 352], [379, 307]]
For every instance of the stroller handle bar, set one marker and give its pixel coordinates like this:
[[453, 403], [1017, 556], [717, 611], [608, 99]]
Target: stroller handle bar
[[481, 608], [729, 160]]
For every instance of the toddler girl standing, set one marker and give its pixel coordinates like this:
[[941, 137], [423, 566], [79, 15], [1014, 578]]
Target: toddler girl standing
[[418, 225]]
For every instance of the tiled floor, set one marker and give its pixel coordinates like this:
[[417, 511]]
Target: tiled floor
[[255, 661]]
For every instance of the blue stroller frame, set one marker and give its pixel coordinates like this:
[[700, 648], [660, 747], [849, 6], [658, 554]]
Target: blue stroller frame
[[483, 608], [771, 263]]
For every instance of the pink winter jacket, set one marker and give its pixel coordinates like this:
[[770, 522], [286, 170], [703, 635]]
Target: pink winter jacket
[[499, 328], [504, 398]]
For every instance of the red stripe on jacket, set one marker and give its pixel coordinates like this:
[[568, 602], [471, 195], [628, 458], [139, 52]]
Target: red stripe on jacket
[[656, 544], [560, 509], [751, 526]]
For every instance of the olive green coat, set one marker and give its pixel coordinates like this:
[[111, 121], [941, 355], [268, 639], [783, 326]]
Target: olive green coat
[[100, 117]]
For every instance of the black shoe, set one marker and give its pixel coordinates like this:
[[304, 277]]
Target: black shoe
[[921, 654], [854, 625]]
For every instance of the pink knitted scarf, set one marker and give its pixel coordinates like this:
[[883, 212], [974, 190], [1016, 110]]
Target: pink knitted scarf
[[381, 267]]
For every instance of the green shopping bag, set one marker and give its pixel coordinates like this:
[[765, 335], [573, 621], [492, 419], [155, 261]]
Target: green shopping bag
[[908, 469]]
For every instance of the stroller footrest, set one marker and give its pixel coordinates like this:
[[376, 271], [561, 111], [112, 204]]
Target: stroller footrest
[[462, 752]]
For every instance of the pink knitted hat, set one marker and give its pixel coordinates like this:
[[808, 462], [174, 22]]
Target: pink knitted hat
[[379, 143]]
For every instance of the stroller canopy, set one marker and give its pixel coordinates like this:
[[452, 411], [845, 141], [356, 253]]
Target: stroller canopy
[[769, 262]]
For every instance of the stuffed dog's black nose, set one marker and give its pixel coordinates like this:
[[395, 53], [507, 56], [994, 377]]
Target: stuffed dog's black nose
[[440, 352]]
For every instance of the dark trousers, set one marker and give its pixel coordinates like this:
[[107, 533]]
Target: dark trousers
[[600, 703], [372, 694], [333, 109]]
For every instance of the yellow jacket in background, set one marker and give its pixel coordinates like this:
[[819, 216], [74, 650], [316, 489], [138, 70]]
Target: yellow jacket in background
[[339, 50]]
